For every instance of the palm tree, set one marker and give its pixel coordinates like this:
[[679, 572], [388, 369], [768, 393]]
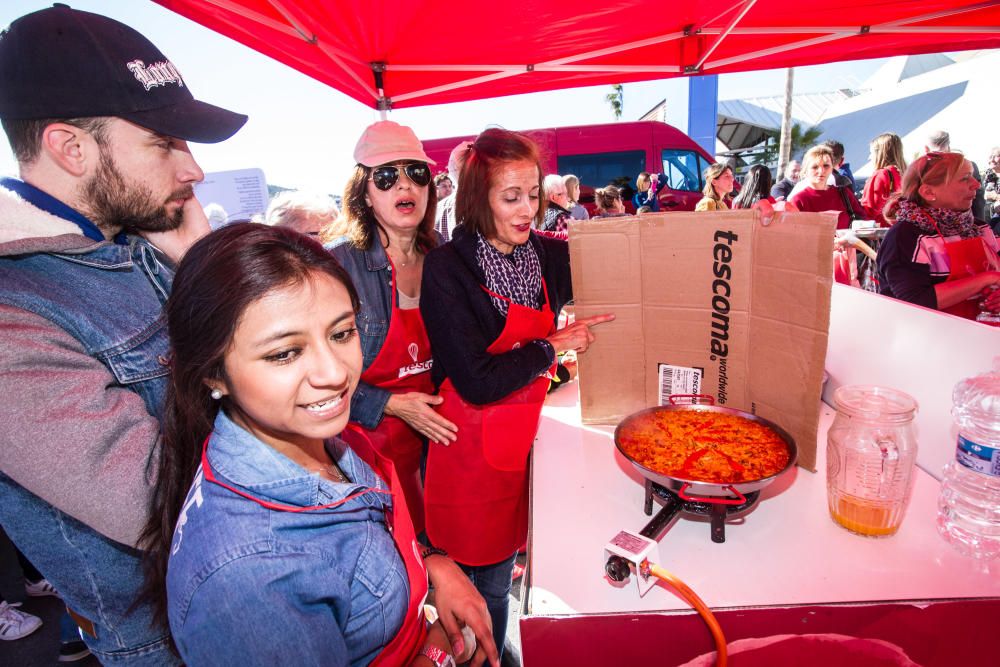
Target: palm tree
[[616, 98], [784, 148], [801, 140]]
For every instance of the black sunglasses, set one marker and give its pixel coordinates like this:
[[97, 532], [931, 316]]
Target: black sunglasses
[[385, 177]]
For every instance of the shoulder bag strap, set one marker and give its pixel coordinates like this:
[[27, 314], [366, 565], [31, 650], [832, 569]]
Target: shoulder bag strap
[[847, 202]]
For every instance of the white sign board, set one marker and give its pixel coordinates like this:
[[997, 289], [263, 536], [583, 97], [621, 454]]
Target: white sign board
[[242, 193]]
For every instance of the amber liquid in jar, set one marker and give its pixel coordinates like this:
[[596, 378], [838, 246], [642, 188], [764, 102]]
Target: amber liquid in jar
[[871, 452], [865, 517]]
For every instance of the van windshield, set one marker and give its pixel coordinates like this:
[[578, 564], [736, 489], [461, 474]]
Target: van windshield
[[595, 170], [684, 169]]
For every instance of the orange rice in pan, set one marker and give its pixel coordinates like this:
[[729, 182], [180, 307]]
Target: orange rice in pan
[[704, 446]]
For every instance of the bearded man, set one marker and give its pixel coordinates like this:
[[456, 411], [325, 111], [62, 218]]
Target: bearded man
[[99, 122]]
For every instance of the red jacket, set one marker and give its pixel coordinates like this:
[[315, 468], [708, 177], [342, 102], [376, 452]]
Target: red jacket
[[877, 190]]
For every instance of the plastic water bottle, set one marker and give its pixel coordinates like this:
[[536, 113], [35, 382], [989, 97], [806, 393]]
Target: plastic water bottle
[[969, 506]]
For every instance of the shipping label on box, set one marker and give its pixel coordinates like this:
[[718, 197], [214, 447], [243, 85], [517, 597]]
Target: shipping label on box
[[706, 303]]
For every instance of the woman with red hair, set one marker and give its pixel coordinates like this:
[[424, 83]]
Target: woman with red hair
[[937, 254], [490, 300]]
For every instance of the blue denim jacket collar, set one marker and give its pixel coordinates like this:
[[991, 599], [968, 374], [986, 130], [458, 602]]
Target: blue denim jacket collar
[[376, 258], [247, 462]]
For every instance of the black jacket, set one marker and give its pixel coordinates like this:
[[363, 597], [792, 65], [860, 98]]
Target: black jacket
[[782, 188], [462, 322]]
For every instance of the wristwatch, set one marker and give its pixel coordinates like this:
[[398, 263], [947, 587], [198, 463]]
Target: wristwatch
[[437, 656]]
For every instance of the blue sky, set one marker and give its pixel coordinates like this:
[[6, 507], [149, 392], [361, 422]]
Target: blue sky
[[302, 133]]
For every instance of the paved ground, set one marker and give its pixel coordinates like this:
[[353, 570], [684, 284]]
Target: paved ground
[[512, 652], [41, 648]]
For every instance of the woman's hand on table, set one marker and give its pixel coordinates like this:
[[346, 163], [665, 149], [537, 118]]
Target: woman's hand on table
[[416, 409], [577, 336], [459, 604], [991, 292]]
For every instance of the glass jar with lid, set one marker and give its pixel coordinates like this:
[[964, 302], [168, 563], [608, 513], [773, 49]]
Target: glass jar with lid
[[871, 453]]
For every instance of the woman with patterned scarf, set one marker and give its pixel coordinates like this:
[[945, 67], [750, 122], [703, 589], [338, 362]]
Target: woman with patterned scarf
[[490, 299], [937, 254]]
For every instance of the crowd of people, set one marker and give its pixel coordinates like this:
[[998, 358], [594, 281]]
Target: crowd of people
[[934, 249], [269, 443], [272, 440]]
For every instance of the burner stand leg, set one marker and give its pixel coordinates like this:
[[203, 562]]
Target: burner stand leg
[[718, 523], [648, 505]]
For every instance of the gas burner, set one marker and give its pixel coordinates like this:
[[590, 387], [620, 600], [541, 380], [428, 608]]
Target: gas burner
[[701, 506], [672, 503], [631, 548]]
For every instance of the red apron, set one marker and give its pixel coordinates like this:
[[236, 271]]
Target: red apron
[[411, 637], [402, 365], [967, 257], [413, 633], [476, 488]]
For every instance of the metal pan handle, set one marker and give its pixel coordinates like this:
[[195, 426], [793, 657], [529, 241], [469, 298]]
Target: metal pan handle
[[691, 399], [738, 500]]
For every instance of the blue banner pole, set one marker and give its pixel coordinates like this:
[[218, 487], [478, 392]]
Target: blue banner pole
[[703, 110]]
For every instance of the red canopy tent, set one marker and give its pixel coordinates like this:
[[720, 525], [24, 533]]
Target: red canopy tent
[[391, 53]]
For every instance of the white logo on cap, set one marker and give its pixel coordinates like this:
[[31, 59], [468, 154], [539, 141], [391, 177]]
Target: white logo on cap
[[157, 74]]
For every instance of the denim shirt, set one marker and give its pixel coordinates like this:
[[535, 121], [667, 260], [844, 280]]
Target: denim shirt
[[248, 585]]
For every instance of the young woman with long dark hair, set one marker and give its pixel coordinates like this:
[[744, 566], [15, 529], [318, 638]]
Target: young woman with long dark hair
[[756, 187], [272, 540], [719, 180]]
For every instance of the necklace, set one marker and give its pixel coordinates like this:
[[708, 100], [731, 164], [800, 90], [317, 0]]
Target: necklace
[[402, 260], [399, 256], [331, 471]]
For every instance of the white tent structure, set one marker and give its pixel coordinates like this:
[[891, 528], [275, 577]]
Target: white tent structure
[[912, 96], [960, 95]]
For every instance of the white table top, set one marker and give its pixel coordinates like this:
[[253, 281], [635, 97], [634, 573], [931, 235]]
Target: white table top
[[786, 551]]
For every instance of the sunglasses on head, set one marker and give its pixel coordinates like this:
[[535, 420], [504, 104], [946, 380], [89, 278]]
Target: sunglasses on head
[[929, 159], [385, 177]]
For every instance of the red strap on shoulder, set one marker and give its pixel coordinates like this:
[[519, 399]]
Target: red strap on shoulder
[[206, 468]]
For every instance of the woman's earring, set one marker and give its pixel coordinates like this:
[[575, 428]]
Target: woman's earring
[[217, 394]]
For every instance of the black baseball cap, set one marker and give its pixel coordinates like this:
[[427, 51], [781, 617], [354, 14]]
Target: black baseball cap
[[64, 63]]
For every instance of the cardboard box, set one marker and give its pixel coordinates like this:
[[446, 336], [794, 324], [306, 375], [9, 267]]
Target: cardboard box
[[710, 303]]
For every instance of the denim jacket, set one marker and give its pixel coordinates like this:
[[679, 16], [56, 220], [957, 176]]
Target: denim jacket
[[248, 585], [372, 276], [371, 273], [113, 309], [107, 298]]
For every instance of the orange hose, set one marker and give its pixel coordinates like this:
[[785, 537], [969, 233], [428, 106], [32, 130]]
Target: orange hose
[[700, 607]]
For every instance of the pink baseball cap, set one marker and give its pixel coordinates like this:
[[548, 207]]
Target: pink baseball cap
[[385, 141]]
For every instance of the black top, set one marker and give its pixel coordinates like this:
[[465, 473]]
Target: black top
[[900, 276], [783, 188], [462, 322]]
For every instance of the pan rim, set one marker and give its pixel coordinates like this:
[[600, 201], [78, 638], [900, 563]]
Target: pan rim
[[744, 486]]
